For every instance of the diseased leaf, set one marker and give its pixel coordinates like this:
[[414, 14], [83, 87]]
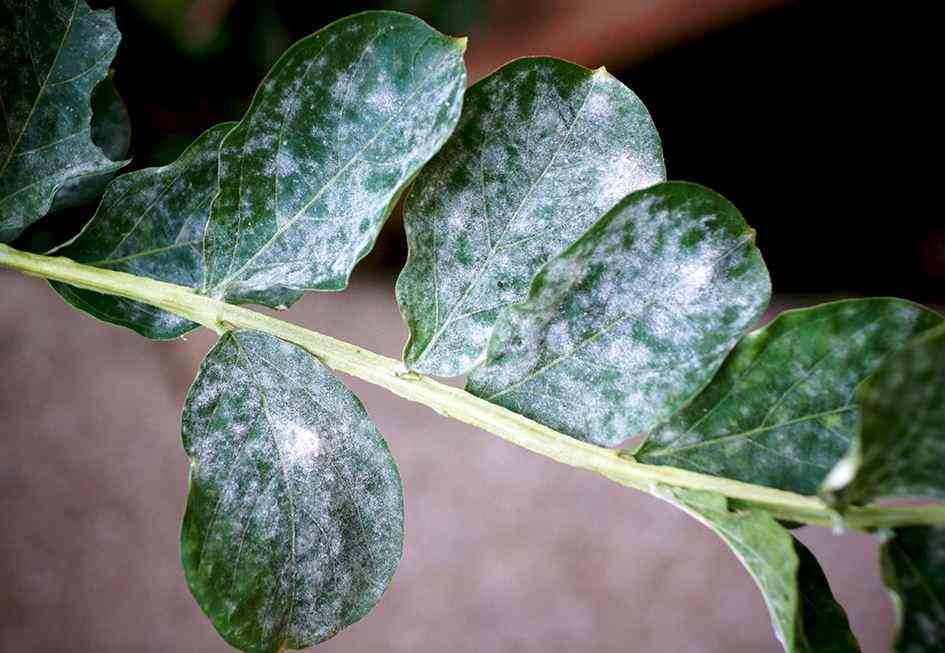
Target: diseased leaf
[[913, 564], [781, 410], [900, 447], [544, 148], [805, 616], [54, 53], [341, 124], [294, 523], [111, 131], [628, 323], [150, 223]]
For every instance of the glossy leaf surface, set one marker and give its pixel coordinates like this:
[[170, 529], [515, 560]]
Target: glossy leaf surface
[[781, 411], [628, 323], [54, 53], [544, 148], [150, 223], [294, 523], [900, 447], [804, 614], [111, 131], [340, 125], [913, 563]]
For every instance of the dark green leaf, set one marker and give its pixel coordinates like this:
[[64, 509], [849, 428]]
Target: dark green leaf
[[805, 616], [544, 148], [294, 523], [900, 448], [628, 323], [54, 53], [150, 223], [781, 411], [337, 129], [111, 131], [913, 564]]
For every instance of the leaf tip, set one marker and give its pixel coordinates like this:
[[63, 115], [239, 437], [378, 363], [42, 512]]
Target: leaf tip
[[460, 41]]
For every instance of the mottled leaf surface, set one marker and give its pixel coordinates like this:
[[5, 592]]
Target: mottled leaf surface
[[782, 410], [913, 564], [294, 523], [111, 131], [544, 148], [150, 223], [624, 326], [54, 53], [805, 616], [340, 125], [900, 448]]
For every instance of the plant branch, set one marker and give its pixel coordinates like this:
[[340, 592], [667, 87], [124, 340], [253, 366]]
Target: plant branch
[[458, 404]]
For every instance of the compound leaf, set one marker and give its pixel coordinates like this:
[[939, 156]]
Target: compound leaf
[[336, 131], [544, 148], [294, 523], [805, 616], [54, 53], [901, 442], [150, 223], [913, 564], [624, 326], [782, 410]]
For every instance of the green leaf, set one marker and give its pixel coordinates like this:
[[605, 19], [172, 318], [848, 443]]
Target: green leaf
[[901, 443], [544, 148], [55, 52], [913, 564], [338, 128], [624, 326], [805, 616], [150, 223], [294, 523], [781, 411], [111, 131]]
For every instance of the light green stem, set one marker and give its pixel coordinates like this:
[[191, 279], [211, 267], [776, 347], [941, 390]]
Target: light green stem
[[458, 404]]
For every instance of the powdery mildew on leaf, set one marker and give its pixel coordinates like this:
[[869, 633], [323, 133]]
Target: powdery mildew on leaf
[[336, 131], [55, 52], [543, 149], [294, 523], [150, 223], [804, 614], [900, 446], [782, 410], [628, 323], [913, 564]]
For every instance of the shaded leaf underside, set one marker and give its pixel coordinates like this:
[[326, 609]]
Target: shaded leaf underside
[[913, 563]]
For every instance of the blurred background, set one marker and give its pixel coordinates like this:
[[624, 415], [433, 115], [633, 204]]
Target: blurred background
[[808, 115]]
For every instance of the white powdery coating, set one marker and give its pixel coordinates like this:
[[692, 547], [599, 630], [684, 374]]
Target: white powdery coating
[[622, 328], [543, 149], [340, 126], [305, 508]]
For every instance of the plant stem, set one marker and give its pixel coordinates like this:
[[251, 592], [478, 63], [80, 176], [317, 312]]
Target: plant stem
[[458, 404]]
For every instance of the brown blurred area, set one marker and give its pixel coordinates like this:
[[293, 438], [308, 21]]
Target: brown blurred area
[[505, 551]]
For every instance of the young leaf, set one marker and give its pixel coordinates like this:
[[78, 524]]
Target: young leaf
[[111, 131], [805, 616], [633, 319], [150, 223], [781, 411], [294, 523], [55, 52], [341, 124], [913, 564], [901, 443], [544, 148]]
